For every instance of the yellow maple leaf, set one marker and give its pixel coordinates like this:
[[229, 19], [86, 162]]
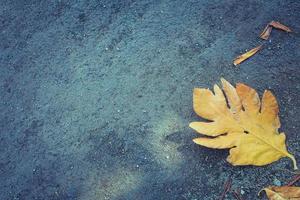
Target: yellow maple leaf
[[282, 193], [247, 126]]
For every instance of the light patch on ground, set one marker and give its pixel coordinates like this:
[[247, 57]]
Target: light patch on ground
[[123, 181], [165, 151]]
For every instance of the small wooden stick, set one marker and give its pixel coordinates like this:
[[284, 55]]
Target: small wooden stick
[[292, 172], [294, 180], [237, 195], [227, 187]]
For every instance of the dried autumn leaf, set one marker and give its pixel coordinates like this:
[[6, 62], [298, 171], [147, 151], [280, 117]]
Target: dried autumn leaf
[[280, 26], [246, 55], [266, 32], [248, 127], [283, 193]]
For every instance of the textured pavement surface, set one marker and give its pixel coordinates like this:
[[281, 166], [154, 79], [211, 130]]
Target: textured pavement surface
[[96, 96]]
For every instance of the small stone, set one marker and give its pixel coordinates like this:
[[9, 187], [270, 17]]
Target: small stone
[[242, 192], [276, 182]]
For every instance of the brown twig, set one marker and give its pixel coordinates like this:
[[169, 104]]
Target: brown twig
[[237, 195], [294, 180], [292, 172], [227, 187]]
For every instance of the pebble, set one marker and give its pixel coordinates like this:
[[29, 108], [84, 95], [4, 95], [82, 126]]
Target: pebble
[[276, 182]]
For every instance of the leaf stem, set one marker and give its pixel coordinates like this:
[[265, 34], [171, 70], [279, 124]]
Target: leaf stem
[[294, 161]]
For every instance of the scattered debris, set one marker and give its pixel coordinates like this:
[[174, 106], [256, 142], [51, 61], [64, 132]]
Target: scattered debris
[[266, 32], [226, 110], [294, 180], [280, 26], [246, 55], [282, 193], [287, 192], [227, 187], [273, 24]]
